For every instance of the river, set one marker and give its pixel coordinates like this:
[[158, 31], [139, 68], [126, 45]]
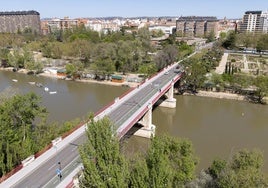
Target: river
[[216, 127]]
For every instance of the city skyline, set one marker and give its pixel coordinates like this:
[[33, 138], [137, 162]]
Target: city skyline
[[137, 8]]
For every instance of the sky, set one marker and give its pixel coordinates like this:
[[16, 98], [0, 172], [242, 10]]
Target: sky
[[135, 8]]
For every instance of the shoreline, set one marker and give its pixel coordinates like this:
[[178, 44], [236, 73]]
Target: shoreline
[[221, 95], [200, 93], [54, 76], [218, 95]]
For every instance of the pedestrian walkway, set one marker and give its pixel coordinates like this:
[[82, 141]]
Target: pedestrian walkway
[[220, 69]]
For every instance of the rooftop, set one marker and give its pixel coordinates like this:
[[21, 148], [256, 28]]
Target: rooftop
[[30, 12]]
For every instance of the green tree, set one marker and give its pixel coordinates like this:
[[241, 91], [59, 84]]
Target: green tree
[[210, 36], [17, 138], [169, 162], [148, 69], [245, 39], [262, 43], [243, 170], [144, 37], [74, 68], [139, 173], [230, 41], [125, 52], [35, 66], [19, 57], [218, 165], [262, 83], [4, 53], [157, 33], [166, 57], [104, 166], [195, 75]]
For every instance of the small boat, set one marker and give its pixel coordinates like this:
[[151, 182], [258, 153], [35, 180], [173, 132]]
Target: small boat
[[39, 85], [52, 92], [32, 83], [14, 80], [46, 88]]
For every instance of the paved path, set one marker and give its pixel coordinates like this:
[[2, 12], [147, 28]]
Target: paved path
[[220, 69]]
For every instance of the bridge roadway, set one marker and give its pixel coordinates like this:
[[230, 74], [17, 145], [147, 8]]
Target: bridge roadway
[[147, 94], [42, 172]]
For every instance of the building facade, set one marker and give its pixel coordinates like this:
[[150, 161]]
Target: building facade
[[255, 22], [57, 24], [264, 21], [196, 26], [18, 21]]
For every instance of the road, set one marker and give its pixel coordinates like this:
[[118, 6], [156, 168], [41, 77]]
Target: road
[[42, 175], [126, 110]]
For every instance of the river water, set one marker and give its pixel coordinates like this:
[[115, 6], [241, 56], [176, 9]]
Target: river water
[[216, 127]]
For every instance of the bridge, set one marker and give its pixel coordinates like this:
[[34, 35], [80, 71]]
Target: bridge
[[124, 112]]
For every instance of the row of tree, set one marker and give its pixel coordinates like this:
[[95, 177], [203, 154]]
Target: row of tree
[[102, 53], [169, 162], [23, 128], [233, 40], [198, 66]]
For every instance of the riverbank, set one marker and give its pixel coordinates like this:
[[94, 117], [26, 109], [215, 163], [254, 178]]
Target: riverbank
[[55, 76], [105, 82], [221, 95]]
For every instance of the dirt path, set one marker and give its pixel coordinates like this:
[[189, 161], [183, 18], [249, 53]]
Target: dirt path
[[220, 69]]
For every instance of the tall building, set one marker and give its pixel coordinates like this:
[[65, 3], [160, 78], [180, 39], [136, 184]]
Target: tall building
[[199, 28], [189, 28], [264, 21], [251, 22], [211, 26], [196, 26], [12, 22]]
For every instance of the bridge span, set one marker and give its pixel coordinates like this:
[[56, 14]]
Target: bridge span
[[125, 111]]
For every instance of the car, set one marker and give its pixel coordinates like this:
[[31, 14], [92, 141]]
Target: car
[[166, 73]]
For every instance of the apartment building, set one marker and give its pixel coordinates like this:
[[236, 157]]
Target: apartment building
[[255, 22], [199, 28], [251, 22], [196, 26], [14, 21], [264, 21], [61, 24], [211, 26]]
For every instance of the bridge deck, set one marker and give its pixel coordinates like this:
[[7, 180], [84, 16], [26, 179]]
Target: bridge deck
[[124, 113]]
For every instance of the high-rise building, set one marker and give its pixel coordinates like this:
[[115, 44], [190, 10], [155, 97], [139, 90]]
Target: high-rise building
[[252, 22], [12, 22], [264, 21]]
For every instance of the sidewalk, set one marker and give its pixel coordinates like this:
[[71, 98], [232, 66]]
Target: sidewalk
[[220, 69], [14, 179]]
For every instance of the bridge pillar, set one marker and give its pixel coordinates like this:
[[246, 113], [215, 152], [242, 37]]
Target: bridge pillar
[[170, 102], [148, 129]]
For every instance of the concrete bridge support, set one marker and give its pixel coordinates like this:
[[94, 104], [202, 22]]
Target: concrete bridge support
[[148, 129], [170, 102]]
